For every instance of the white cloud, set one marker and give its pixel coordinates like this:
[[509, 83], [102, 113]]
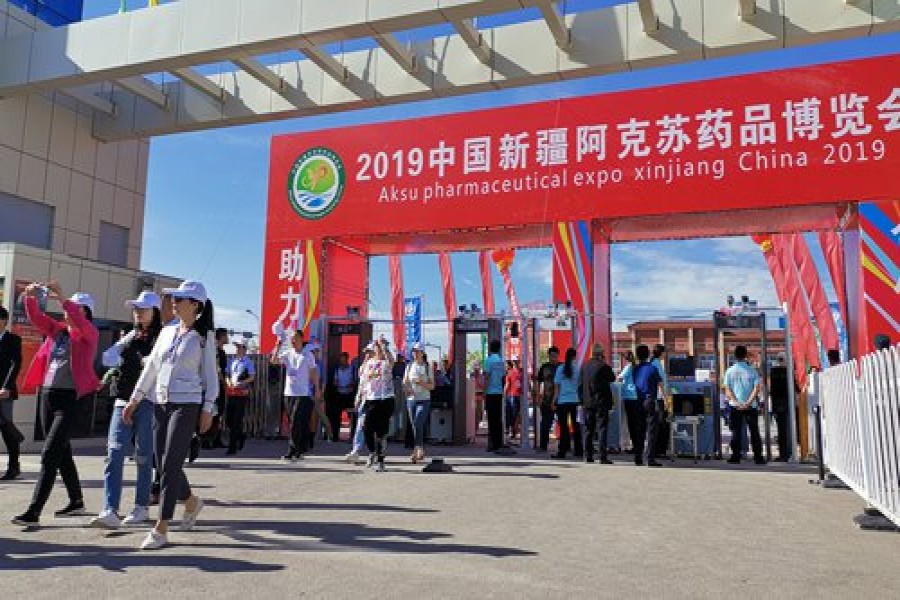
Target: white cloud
[[535, 268]]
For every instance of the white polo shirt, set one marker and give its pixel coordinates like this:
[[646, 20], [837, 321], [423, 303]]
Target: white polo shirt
[[298, 366]]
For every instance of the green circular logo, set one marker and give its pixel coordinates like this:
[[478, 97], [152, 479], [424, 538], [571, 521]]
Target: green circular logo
[[316, 182]]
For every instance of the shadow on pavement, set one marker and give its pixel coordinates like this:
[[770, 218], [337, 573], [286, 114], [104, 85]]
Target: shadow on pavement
[[321, 506], [344, 537], [33, 555]]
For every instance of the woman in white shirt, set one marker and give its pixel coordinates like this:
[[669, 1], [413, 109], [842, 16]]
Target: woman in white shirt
[[418, 381], [379, 406], [182, 369]]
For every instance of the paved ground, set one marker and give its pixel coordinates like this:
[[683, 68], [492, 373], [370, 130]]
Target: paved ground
[[517, 527]]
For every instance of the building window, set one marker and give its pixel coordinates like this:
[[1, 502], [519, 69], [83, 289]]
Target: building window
[[113, 247], [32, 225]]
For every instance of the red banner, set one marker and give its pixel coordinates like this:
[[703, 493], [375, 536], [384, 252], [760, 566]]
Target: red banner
[[751, 141], [798, 305], [815, 292], [833, 250], [487, 282], [449, 297]]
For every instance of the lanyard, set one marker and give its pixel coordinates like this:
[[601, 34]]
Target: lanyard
[[169, 356]]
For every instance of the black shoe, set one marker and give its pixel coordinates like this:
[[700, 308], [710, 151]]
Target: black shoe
[[558, 456], [27, 519], [578, 455], [242, 441], [605, 461], [589, 459], [734, 460], [75, 508], [638, 462], [195, 449], [11, 473], [231, 452], [760, 461], [653, 463]]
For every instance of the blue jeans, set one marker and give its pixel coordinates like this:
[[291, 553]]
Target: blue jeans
[[359, 436], [120, 436], [512, 413], [418, 414]]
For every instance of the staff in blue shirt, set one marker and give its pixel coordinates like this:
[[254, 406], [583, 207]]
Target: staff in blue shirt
[[567, 379], [647, 384], [494, 371], [742, 387]]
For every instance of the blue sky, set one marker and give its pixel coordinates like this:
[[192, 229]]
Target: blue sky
[[207, 191]]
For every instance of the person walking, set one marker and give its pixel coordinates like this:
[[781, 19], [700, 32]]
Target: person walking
[[647, 383], [546, 383], [64, 370], [127, 356], [742, 387], [301, 384], [10, 365], [512, 390], [343, 381], [479, 383], [180, 378], [566, 398], [378, 375], [357, 423], [597, 401], [418, 382], [241, 375], [634, 411], [493, 399]]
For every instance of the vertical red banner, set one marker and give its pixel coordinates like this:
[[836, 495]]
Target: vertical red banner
[[397, 304], [487, 282], [449, 297]]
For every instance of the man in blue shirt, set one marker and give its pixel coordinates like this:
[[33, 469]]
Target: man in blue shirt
[[742, 389], [647, 384], [494, 371]]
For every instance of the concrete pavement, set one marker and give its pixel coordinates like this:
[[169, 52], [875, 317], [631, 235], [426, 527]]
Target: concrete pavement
[[499, 527]]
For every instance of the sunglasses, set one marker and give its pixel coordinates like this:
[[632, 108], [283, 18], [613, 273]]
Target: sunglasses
[[177, 300]]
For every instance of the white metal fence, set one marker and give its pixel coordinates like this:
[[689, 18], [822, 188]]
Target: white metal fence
[[861, 427]]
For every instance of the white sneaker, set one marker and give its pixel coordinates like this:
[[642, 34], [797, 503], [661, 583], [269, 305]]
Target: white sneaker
[[154, 541], [370, 461], [352, 457], [189, 519], [138, 515], [108, 519]]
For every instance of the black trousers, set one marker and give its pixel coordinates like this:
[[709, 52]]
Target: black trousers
[[783, 422], [57, 454], [300, 408], [173, 428], [637, 427], [738, 419], [567, 413], [592, 418], [234, 419], [12, 437], [493, 404], [378, 421], [547, 415], [654, 412], [334, 409]]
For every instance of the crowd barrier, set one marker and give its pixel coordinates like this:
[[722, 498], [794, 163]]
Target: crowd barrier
[[860, 403]]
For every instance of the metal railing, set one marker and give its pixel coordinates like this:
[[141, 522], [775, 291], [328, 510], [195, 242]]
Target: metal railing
[[860, 403]]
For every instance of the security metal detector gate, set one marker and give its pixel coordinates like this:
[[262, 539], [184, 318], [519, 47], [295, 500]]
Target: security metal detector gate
[[724, 324], [462, 327]]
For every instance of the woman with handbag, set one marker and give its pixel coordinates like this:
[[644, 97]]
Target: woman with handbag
[[182, 371], [64, 370]]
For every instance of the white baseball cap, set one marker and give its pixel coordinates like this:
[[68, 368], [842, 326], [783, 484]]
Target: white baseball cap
[[145, 299], [370, 347], [188, 289], [83, 299], [418, 346]]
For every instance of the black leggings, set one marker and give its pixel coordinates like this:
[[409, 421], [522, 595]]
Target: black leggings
[[234, 419], [378, 421], [57, 454], [173, 428]]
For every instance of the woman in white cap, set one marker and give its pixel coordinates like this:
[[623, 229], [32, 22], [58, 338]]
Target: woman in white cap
[[127, 356], [241, 374], [182, 371], [358, 435], [64, 370], [418, 381], [379, 402]]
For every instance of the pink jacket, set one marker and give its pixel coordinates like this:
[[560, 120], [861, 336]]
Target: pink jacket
[[84, 337]]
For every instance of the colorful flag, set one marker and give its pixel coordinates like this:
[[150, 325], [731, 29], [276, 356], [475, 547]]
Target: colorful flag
[[797, 302], [412, 316], [504, 259], [397, 304], [818, 302]]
